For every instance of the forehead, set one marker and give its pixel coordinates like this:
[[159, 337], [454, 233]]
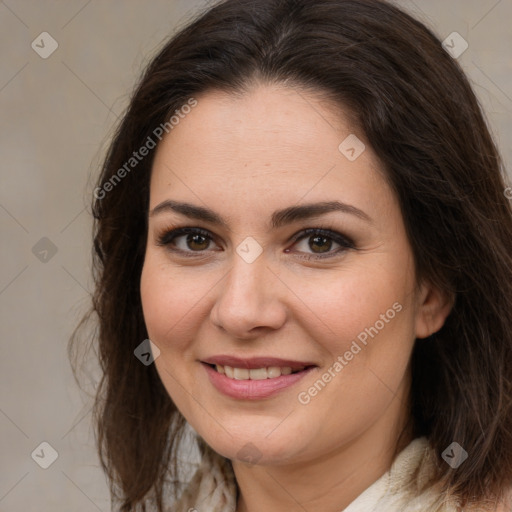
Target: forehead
[[272, 142], [268, 118]]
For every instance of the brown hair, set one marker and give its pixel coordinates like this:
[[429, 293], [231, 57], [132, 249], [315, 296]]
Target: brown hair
[[417, 110]]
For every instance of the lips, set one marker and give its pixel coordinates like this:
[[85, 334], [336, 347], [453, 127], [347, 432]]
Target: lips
[[254, 378]]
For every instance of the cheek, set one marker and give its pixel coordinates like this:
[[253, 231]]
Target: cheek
[[170, 299], [367, 329], [169, 302], [356, 302]]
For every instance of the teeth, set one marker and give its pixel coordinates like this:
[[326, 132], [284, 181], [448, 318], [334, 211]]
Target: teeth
[[241, 373], [254, 374], [259, 374], [274, 371]]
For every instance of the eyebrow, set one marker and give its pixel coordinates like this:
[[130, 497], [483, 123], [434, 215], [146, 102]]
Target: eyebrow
[[279, 218]]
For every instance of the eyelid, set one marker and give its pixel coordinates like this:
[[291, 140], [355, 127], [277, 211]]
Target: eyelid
[[344, 242], [168, 235], [329, 233]]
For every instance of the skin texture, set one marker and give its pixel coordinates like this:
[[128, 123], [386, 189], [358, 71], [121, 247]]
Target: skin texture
[[245, 157]]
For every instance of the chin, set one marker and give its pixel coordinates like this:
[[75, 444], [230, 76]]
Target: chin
[[259, 449]]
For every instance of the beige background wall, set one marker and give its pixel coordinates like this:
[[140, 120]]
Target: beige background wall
[[56, 116]]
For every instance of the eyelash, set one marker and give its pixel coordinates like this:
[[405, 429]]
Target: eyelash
[[168, 236]]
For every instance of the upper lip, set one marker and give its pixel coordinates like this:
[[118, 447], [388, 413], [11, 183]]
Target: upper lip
[[256, 362]]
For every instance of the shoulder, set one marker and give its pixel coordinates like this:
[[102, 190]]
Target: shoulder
[[415, 470]]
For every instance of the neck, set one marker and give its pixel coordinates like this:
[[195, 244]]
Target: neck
[[330, 482]]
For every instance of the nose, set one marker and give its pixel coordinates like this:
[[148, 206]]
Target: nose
[[250, 301]]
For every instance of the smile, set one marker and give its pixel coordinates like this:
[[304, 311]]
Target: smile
[[254, 379], [271, 372]]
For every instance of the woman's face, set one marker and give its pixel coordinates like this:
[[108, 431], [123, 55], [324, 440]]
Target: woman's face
[[253, 288]]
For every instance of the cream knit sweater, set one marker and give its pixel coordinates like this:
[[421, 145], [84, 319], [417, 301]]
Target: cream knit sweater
[[213, 486]]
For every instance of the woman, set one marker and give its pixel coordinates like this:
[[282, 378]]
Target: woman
[[304, 211]]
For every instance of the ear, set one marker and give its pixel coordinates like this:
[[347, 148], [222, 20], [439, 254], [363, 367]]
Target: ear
[[433, 307]]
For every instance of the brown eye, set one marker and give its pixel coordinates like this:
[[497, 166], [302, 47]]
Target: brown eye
[[320, 244], [187, 240], [197, 242]]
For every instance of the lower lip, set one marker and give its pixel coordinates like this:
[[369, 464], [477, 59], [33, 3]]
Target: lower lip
[[252, 389]]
